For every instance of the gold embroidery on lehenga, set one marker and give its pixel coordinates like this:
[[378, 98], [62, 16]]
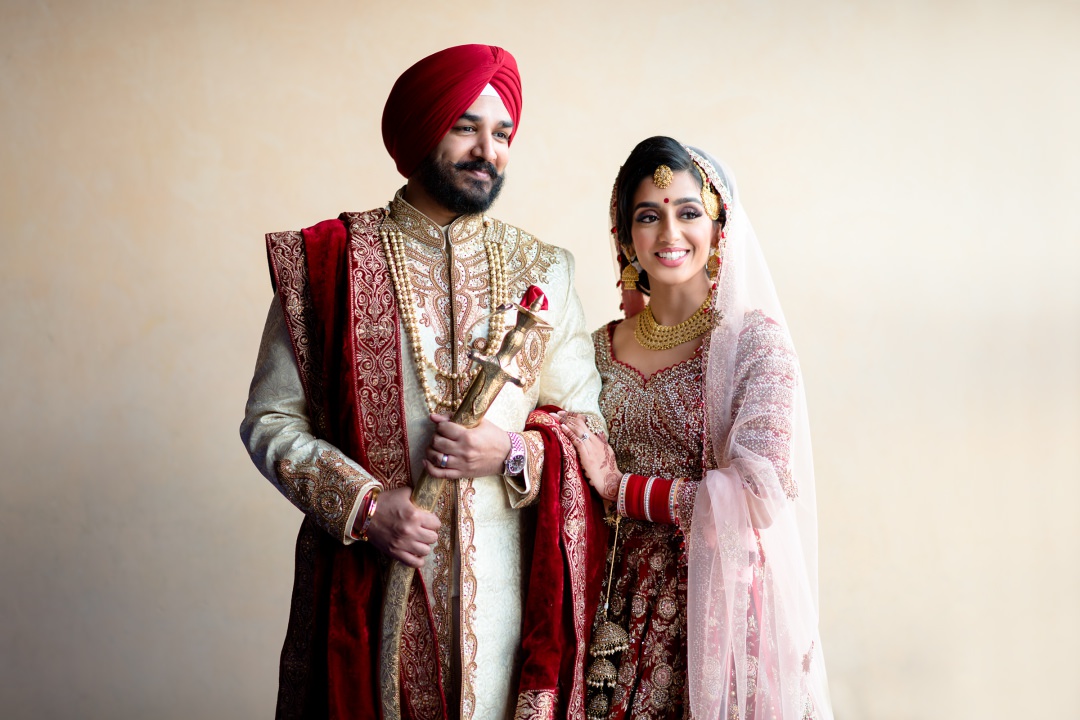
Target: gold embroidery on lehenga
[[656, 428]]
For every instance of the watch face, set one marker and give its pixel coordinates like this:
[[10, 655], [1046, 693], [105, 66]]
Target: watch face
[[515, 464]]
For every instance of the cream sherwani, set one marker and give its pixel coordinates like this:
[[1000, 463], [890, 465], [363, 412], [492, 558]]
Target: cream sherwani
[[476, 572]]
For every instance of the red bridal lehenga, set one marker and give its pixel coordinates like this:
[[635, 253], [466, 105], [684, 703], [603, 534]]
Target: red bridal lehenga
[[657, 428]]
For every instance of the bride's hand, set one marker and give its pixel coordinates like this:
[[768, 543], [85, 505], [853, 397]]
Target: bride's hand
[[596, 456]]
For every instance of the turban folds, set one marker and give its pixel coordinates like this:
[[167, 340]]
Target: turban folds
[[429, 97]]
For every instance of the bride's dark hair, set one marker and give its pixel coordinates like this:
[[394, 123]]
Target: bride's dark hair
[[648, 155]]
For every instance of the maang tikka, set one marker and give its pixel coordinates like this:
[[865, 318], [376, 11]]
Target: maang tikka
[[662, 177]]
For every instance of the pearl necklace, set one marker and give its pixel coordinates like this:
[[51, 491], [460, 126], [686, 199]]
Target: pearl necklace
[[393, 242], [654, 336]]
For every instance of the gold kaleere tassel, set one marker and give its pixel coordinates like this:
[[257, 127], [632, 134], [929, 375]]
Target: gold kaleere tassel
[[598, 707], [609, 639]]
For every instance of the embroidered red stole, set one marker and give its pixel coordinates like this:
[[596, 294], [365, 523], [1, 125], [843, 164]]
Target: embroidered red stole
[[564, 582], [334, 286]]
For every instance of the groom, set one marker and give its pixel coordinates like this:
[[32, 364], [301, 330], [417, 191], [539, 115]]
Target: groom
[[364, 356]]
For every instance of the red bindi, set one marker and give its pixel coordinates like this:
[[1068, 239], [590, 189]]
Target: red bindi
[[665, 199]]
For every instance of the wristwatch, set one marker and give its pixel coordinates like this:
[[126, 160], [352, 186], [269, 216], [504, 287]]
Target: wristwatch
[[515, 461]]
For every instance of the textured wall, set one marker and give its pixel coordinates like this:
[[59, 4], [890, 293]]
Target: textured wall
[[911, 169]]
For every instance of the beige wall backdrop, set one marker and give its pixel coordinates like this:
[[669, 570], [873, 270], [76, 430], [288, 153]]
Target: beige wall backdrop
[[912, 172]]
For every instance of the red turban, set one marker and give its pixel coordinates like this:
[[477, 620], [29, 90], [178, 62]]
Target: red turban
[[430, 96]]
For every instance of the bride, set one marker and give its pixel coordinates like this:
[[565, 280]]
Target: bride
[[710, 600]]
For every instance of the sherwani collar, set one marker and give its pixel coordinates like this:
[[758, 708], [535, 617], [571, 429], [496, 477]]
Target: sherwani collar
[[419, 226]]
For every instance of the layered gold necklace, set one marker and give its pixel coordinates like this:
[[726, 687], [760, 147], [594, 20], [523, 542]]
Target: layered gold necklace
[[654, 336], [393, 242]]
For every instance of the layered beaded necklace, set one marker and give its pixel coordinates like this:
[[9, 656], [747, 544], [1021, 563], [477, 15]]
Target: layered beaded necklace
[[654, 336], [393, 242]]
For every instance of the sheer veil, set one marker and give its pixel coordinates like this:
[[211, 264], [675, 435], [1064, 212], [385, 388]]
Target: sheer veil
[[754, 651]]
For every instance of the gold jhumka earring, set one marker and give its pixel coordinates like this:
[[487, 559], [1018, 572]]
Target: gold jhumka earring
[[609, 639], [713, 265], [630, 277]]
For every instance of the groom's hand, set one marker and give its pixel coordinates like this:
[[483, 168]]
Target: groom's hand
[[457, 452], [401, 530]]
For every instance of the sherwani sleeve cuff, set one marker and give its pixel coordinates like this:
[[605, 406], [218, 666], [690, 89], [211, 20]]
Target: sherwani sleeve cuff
[[524, 490], [312, 473]]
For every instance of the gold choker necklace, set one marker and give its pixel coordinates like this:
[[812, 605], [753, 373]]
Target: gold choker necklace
[[654, 336]]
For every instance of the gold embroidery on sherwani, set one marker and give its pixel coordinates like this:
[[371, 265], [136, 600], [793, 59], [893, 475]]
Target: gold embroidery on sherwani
[[441, 576], [467, 555], [451, 284], [325, 489], [452, 290], [457, 318], [418, 671], [528, 263]]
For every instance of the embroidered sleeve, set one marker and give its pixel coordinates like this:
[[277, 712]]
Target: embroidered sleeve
[[525, 493], [685, 495], [313, 474], [762, 407], [569, 378]]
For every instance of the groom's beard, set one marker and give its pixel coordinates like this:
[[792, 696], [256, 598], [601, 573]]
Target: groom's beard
[[448, 186]]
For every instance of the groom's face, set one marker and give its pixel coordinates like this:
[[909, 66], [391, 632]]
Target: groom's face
[[465, 171]]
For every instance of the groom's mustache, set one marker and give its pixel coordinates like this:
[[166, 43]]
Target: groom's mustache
[[483, 165]]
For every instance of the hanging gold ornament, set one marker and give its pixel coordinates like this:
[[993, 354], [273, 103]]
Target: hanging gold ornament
[[662, 177], [714, 265], [708, 196], [601, 674], [598, 707], [629, 277], [608, 639]]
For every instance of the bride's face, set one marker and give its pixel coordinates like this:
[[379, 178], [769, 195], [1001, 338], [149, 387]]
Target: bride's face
[[672, 234]]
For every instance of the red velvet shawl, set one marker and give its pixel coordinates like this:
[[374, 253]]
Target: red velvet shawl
[[568, 558], [334, 286]]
